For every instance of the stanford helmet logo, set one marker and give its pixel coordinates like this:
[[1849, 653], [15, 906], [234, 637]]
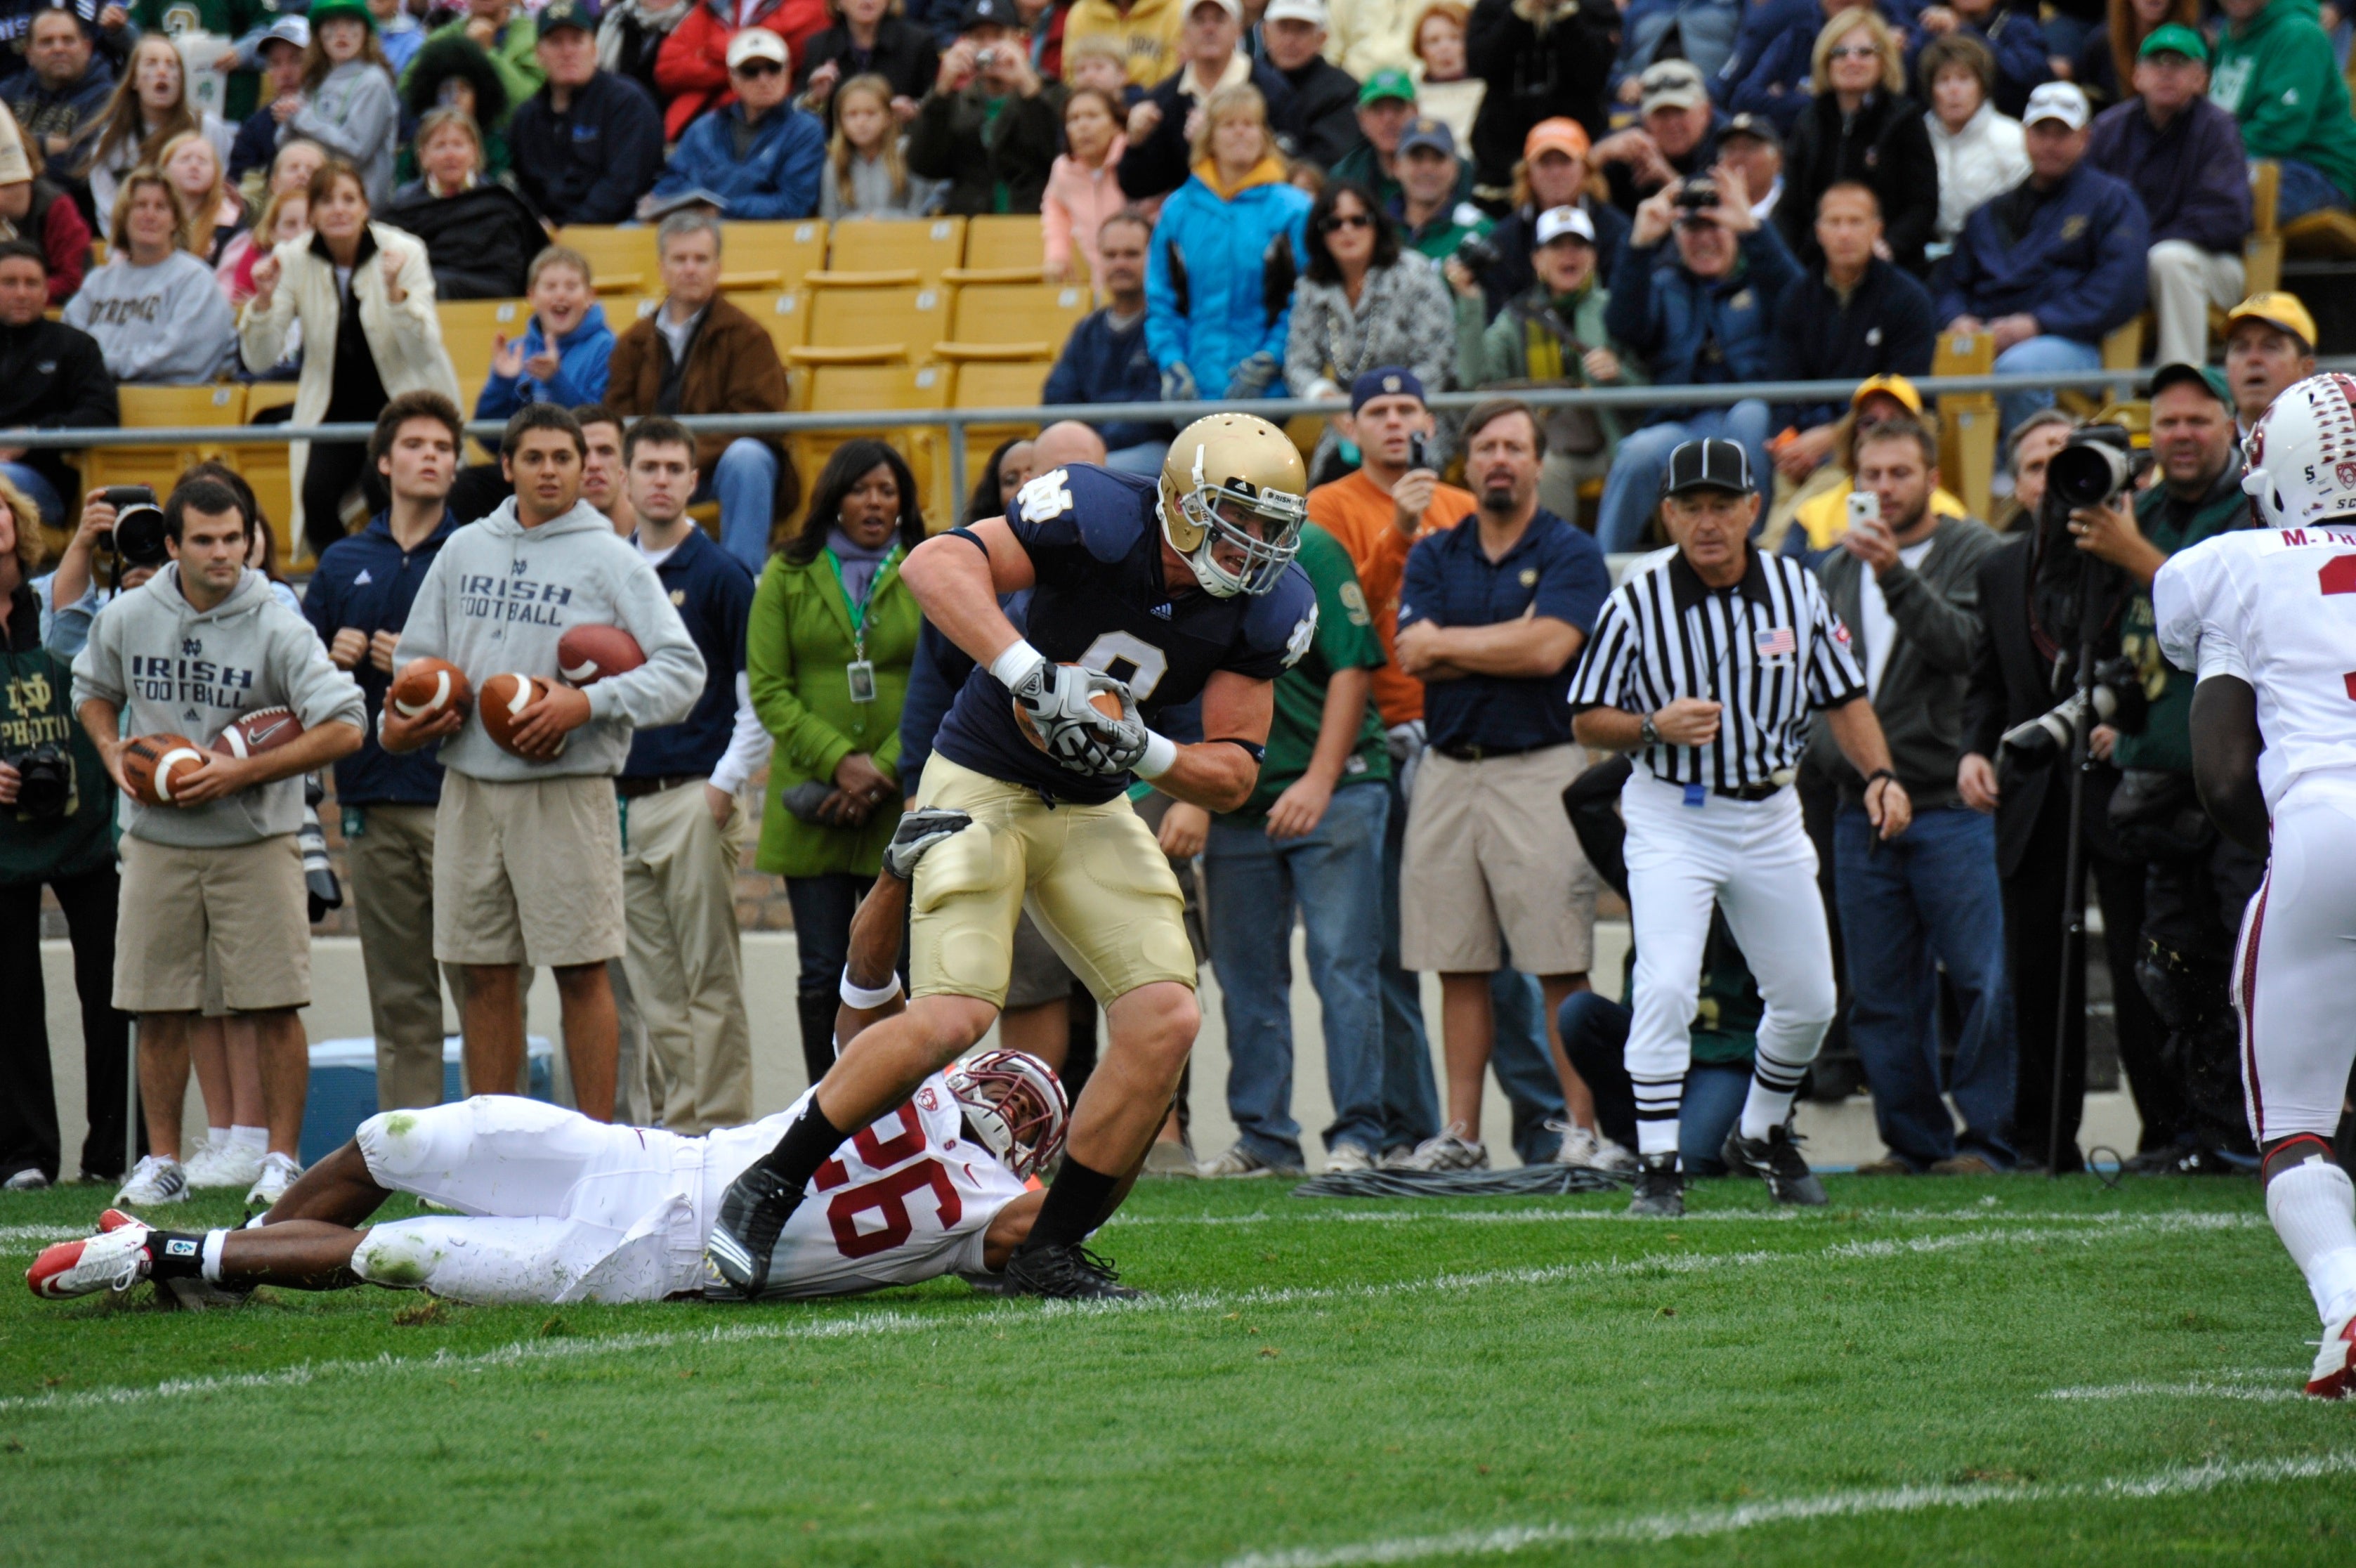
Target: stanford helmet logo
[[2347, 472]]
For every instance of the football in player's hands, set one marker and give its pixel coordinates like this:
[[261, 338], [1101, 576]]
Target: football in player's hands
[[152, 763], [428, 688], [265, 729], [505, 698], [587, 654], [1052, 697]]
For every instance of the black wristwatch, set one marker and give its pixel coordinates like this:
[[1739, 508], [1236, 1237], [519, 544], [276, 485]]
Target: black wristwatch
[[1879, 773], [1648, 733]]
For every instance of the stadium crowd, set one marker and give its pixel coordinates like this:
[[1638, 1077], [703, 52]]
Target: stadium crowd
[[1369, 200]]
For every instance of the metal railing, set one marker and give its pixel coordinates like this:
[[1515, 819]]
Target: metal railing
[[2119, 384]]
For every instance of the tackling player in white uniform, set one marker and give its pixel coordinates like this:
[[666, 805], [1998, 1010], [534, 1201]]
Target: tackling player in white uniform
[[2266, 619], [555, 1207]]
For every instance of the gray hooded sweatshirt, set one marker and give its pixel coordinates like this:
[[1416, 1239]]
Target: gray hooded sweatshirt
[[499, 596], [178, 671]]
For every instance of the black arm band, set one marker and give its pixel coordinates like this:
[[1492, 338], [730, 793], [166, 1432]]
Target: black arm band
[[970, 537], [1258, 754]]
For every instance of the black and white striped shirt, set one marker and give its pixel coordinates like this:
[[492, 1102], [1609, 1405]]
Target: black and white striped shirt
[[1770, 648]]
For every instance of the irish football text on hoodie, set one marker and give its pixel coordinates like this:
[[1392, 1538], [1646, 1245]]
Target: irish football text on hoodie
[[499, 597], [176, 670]]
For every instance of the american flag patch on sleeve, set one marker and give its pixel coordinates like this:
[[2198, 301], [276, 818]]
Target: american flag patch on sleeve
[[1777, 642]]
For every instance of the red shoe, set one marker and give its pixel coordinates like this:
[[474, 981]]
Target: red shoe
[[116, 1259], [2334, 1377]]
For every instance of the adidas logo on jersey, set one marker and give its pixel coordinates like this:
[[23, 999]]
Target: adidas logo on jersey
[[1162, 611]]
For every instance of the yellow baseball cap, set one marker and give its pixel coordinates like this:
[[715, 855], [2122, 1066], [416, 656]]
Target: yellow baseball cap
[[1898, 387], [2276, 309]]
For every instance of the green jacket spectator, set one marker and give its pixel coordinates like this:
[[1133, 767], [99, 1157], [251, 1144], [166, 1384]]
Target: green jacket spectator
[[513, 46], [2275, 74]]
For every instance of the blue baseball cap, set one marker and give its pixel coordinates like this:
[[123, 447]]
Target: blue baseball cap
[[1384, 381]]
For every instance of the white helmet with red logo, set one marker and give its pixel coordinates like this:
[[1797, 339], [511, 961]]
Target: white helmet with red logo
[[2302, 454], [1015, 1105]]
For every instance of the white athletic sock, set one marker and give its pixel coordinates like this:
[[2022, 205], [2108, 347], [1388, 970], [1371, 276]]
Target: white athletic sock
[[250, 1138], [1658, 1101], [213, 1240], [1773, 1085], [2313, 1207], [216, 1137]]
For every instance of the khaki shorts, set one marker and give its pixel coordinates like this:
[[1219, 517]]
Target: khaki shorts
[[528, 872], [240, 915], [1489, 850], [1091, 877]]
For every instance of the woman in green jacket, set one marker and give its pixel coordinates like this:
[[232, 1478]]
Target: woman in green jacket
[[832, 634]]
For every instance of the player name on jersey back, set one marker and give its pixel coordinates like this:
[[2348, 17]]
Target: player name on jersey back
[[2274, 608], [1102, 600]]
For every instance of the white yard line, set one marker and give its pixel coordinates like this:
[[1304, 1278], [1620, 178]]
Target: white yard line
[[2196, 1221], [899, 1321], [1659, 1527], [2281, 1394], [13, 1235]]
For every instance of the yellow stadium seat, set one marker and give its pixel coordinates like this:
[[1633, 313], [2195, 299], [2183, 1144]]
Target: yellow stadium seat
[[1006, 241], [162, 408], [621, 260], [1003, 376], [842, 381], [856, 310], [470, 331], [766, 257], [1967, 421], [266, 469], [931, 245], [786, 316], [990, 308]]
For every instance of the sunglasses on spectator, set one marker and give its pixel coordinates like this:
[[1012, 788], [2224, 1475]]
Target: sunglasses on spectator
[[1853, 51], [757, 67], [1338, 221]]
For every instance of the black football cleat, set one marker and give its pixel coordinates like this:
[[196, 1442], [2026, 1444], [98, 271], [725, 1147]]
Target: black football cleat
[[1065, 1273], [753, 1213], [1775, 1159], [1660, 1189]]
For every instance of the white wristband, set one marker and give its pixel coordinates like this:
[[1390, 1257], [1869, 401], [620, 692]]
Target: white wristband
[[866, 1001], [1161, 755], [1011, 666]]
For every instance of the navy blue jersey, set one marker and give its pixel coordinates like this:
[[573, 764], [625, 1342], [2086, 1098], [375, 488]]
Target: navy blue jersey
[[1101, 600]]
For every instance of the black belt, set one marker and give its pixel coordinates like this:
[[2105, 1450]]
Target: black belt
[[1752, 793], [1490, 753], [638, 789]]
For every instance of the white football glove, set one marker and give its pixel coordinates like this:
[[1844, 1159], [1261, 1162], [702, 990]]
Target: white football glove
[[1087, 742]]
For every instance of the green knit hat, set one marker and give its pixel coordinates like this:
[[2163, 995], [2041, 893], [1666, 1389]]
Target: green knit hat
[[326, 11]]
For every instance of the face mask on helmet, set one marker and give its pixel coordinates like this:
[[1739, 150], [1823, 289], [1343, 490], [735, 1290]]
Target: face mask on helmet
[[1015, 1104], [1237, 538]]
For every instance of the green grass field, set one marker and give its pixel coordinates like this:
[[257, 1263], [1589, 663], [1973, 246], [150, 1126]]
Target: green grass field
[[1931, 1372]]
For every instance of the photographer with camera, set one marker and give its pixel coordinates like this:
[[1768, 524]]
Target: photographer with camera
[[988, 127], [57, 816], [100, 562], [2197, 881]]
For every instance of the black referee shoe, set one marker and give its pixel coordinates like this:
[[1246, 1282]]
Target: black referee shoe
[[1660, 1189], [1775, 1159], [752, 1212], [1065, 1273]]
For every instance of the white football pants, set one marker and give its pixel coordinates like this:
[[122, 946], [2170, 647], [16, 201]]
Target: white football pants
[[2295, 970]]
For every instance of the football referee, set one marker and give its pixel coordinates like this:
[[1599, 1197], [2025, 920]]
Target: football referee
[[1710, 665]]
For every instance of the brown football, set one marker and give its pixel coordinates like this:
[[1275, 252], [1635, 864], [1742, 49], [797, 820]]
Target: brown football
[[151, 762], [1104, 702], [587, 654], [504, 699], [428, 687], [265, 729]]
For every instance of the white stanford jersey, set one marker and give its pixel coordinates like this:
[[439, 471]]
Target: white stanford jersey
[[906, 1199], [2276, 606]]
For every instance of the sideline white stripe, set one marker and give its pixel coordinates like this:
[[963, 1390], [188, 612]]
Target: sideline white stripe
[[45, 1234], [1660, 1527], [2197, 1389], [898, 1321], [2176, 1220]]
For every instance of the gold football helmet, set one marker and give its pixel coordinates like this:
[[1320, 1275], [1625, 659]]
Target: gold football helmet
[[1234, 486]]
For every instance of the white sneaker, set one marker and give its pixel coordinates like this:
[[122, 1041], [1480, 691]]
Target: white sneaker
[[157, 1178], [1240, 1161], [113, 1259], [1348, 1159], [223, 1164], [29, 1179], [1451, 1151], [1586, 1147], [278, 1174], [2334, 1376]]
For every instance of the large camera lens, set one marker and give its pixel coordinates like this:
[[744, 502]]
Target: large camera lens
[[2091, 469], [139, 539]]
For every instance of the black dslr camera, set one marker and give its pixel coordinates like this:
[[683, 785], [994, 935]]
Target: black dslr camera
[[1477, 253], [137, 538], [45, 777], [1696, 197]]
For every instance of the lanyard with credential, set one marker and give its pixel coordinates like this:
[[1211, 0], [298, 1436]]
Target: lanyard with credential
[[860, 673]]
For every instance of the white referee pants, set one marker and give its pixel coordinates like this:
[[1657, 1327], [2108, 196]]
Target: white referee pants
[[1753, 860], [2294, 971]]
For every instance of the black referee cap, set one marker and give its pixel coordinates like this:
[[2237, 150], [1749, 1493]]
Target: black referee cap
[[1711, 465]]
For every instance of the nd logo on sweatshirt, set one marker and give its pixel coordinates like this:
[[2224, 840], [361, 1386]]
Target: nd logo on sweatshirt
[[517, 596], [190, 678]]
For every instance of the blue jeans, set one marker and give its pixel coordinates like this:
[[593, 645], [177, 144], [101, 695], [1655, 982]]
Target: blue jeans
[[2304, 190], [746, 482], [1254, 884], [1929, 896], [1594, 1035], [1633, 486], [1145, 457], [2037, 355], [1411, 1097], [40, 492]]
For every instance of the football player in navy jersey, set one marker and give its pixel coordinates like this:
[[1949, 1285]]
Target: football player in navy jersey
[[1153, 594]]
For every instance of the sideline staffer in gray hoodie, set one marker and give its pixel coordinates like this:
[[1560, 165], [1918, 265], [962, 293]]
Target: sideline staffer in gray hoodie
[[528, 854], [213, 881]]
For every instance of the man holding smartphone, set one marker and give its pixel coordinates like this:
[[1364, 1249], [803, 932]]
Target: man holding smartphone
[[1905, 580]]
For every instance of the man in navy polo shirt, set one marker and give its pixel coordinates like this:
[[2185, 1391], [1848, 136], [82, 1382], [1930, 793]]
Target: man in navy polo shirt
[[682, 824], [357, 601], [589, 144], [1492, 618]]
